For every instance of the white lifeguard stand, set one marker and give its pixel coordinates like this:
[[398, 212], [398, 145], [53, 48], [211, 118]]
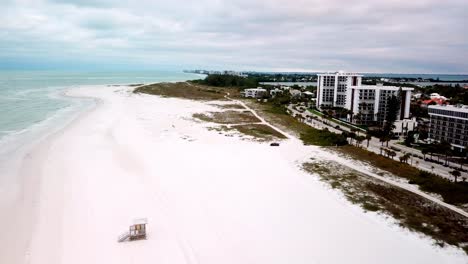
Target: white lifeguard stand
[[136, 231]]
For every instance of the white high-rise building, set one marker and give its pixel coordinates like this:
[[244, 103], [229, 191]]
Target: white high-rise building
[[368, 103]]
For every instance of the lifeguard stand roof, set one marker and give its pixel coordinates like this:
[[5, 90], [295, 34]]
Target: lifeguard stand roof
[[140, 221]]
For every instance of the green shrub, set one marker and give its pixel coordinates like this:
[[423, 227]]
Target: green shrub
[[317, 137]]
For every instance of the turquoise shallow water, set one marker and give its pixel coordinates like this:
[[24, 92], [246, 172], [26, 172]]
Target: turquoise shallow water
[[28, 98], [32, 105]]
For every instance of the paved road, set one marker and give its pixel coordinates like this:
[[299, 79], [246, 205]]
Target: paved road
[[375, 145]]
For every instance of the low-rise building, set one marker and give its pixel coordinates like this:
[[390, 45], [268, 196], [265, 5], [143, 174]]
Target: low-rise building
[[433, 101], [274, 92], [295, 93], [402, 127], [255, 92], [437, 96], [449, 123], [417, 95], [308, 94]]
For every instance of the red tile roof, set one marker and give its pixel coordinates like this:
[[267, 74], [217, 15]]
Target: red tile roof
[[438, 101]]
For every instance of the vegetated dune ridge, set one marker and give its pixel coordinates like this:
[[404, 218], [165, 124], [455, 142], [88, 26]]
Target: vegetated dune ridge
[[208, 198]]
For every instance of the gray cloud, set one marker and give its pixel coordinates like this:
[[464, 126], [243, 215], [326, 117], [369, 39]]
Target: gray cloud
[[383, 36]]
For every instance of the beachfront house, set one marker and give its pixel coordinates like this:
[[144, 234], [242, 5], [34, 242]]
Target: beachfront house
[[295, 93], [308, 94], [254, 92], [274, 92]]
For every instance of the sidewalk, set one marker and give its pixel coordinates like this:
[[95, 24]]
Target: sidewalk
[[375, 145]]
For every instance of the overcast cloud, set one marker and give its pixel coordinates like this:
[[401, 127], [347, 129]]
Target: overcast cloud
[[423, 36]]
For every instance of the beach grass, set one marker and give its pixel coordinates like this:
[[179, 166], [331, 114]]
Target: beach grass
[[229, 106], [411, 211], [187, 90], [451, 192], [227, 117], [259, 131]]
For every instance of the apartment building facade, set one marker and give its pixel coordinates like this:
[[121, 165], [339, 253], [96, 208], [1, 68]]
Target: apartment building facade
[[254, 92], [368, 103], [449, 123]]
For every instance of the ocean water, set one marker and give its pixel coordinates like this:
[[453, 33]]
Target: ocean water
[[442, 77], [31, 102]]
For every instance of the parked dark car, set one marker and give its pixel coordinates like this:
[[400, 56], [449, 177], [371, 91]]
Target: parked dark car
[[274, 144]]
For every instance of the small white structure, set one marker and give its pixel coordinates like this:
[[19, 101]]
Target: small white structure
[[295, 93], [404, 126], [274, 92], [438, 96], [254, 92]]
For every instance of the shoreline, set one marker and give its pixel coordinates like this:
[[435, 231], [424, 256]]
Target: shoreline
[[31, 158], [122, 159]]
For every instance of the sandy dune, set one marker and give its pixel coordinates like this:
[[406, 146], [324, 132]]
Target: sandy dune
[[208, 198]]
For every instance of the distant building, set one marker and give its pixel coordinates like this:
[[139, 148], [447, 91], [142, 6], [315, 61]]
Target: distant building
[[438, 96], [295, 93], [449, 123], [274, 92], [368, 102], [434, 101], [254, 92], [417, 95], [235, 73], [308, 94], [402, 127]]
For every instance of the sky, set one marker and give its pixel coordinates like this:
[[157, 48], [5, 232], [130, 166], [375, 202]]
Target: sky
[[399, 36]]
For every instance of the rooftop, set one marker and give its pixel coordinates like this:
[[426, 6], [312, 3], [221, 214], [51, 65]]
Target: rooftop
[[438, 101], [340, 73], [140, 221], [456, 108], [255, 89]]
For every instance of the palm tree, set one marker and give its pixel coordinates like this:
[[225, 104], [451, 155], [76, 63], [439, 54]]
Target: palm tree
[[387, 139], [387, 153], [392, 153], [445, 148], [357, 118], [405, 158], [368, 138], [456, 174], [382, 139], [424, 152], [359, 140]]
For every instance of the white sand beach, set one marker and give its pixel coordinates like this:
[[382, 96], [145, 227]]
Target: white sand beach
[[208, 198]]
